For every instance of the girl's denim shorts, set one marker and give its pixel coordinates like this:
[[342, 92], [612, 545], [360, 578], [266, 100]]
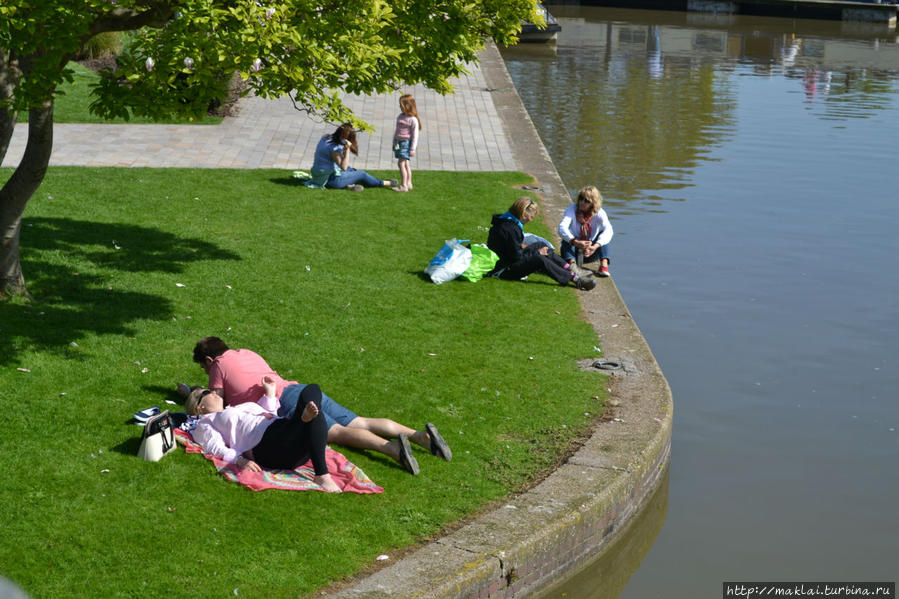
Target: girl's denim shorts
[[401, 149]]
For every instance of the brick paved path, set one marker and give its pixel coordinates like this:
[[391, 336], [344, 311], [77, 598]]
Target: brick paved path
[[461, 132]]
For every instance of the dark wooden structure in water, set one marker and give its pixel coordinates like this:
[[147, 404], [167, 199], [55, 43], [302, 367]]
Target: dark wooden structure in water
[[874, 11], [532, 33]]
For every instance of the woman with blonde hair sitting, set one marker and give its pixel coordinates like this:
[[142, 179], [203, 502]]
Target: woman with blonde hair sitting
[[585, 231], [517, 260]]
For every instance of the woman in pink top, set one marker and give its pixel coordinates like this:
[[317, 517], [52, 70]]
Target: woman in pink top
[[405, 140], [251, 436]]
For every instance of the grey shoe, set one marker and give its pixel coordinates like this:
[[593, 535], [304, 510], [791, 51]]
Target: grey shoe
[[406, 458], [439, 447], [355, 187], [584, 283], [583, 272]]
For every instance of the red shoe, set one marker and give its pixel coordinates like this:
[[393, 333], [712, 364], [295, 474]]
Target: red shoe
[[603, 271]]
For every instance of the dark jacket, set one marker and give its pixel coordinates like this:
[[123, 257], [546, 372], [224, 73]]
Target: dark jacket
[[505, 239]]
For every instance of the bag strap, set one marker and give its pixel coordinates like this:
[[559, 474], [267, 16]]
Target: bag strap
[[168, 439], [166, 429]]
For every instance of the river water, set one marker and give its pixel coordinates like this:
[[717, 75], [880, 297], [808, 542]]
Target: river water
[[749, 166]]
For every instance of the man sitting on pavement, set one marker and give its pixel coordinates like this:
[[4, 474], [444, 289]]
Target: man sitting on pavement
[[236, 376]]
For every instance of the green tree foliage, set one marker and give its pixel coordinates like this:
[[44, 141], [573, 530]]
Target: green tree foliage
[[181, 54]]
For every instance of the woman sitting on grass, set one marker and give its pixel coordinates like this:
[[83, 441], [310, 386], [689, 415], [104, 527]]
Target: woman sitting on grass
[[517, 260], [253, 429], [331, 164]]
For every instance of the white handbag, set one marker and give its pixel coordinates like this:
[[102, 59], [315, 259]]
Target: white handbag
[[158, 438]]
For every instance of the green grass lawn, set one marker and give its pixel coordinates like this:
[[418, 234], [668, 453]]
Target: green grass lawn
[[129, 267], [73, 105]]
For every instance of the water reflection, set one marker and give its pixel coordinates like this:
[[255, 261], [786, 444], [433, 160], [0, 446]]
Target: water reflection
[[606, 576], [749, 166], [638, 104]]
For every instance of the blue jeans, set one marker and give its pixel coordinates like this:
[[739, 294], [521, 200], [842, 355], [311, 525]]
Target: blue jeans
[[569, 252], [351, 177], [333, 412]]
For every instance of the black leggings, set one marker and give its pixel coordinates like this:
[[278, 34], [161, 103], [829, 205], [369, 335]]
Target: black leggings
[[289, 442], [551, 265]]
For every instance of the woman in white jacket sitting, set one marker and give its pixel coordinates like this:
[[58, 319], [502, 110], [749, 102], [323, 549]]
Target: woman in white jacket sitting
[[585, 231]]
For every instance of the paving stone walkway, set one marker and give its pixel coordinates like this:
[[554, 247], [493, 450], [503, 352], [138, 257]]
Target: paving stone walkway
[[461, 132]]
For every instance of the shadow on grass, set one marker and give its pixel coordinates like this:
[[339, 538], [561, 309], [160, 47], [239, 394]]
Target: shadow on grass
[[69, 303], [129, 446], [165, 393], [427, 278], [288, 181], [119, 246], [353, 455]]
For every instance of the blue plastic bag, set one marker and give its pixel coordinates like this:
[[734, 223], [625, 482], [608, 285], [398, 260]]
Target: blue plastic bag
[[450, 262]]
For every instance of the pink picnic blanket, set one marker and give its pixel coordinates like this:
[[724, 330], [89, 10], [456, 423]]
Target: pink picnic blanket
[[347, 476]]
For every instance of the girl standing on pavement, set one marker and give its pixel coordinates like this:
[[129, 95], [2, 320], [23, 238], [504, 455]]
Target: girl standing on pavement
[[405, 140]]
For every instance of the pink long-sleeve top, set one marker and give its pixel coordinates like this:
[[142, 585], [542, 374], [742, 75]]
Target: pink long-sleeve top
[[407, 128], [236, 429]]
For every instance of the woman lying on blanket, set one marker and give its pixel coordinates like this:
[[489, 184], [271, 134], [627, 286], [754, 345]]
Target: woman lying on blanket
[[254, 430]]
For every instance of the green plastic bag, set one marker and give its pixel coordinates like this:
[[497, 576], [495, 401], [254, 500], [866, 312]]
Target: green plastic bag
[[482, 261]]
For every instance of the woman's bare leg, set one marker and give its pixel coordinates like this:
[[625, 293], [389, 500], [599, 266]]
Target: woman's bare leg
[[385, 427], [362, 438]]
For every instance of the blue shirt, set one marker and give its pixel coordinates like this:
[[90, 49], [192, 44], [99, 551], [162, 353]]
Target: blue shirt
[[323, 151]]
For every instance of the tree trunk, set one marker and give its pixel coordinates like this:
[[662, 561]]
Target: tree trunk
[[14, 196], [9, 78]]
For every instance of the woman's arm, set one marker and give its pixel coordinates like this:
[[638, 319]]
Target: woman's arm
[[212, 442], [605, 228], [501, 241], [248, 464], [413, 138], [565, 232], [269, 402], [341, 158]]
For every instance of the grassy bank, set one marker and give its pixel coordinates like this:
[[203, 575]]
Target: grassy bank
[[129, 267]]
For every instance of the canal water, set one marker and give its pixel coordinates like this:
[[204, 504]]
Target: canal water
[[749, 166]]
